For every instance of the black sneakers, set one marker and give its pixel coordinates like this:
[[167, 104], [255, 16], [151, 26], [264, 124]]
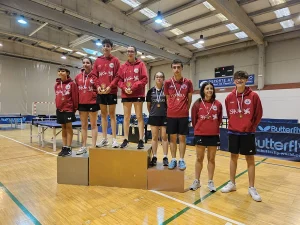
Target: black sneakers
[[65, 151], [154, 161], [165, 161], [62, 152], [124, 144], [140, 144]]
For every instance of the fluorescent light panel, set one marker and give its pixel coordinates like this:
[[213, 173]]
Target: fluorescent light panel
[[276, 2], [188, 39], [209, 6], [287, 24], [232, 26], [148, 12], [66, 49], [241, 35], [132, 3], [221, 17], [198, 45], [282, 12], [177, 31], [150, 57], [80, 53]]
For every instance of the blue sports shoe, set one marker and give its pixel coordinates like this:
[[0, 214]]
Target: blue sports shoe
[[172, 164], [181, 165]]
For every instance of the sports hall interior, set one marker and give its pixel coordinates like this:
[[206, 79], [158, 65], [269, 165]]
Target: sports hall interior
[[213, 37]]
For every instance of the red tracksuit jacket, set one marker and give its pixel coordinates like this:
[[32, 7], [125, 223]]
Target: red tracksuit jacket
[[134, 75], [251, 114], [106, 69], [86, 88], [202, 125], [66, 95]]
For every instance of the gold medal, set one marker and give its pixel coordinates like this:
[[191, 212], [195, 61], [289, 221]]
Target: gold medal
[[62, 98], [241, 115], [177, 99], [158, 105]]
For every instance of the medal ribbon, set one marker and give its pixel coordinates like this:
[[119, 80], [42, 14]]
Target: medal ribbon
[[240, 105], [208, 111], [177, 92]]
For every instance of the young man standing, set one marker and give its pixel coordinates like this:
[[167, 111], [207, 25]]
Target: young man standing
[[244, 112], [178, 91], [106, 68]]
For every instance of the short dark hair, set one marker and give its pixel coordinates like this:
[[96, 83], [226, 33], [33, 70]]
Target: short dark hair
[[213, 97], [107, 41], [177, 61], [240, 74], [91, 61], [161, 73], [62, 67], [135, 50]]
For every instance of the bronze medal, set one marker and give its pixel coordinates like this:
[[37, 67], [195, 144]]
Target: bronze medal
[[158, 105], [241, 115]]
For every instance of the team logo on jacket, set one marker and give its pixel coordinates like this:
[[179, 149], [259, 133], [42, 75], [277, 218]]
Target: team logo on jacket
[[68, 86], [215, 108], [91, 81], [111, 65], [136, 70], [184, 86], [247, 101]]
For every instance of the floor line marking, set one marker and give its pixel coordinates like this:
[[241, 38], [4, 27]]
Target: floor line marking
[[198, 208], [27, 145]]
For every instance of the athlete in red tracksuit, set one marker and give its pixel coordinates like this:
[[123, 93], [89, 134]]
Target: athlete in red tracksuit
[[133, 77], [206, 119], [106, 68], [244, 112], [87, 103], [66, 100]]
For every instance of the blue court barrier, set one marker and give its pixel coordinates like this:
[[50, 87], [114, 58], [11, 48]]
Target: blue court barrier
[[280, 145]]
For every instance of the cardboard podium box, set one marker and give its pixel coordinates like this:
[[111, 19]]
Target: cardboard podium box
[[116, 167], [73, 169], [160, 178]]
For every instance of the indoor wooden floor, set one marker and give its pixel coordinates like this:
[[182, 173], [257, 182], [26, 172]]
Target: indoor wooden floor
[[29, 193]]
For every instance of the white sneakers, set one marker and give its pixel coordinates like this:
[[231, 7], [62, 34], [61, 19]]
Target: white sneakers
[[211, 186], [251, 190], [81, 151], [196, 184], [104, 142], [229, 187]]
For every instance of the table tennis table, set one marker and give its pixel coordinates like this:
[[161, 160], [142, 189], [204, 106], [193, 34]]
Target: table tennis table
[[43, 125], [13, 117]]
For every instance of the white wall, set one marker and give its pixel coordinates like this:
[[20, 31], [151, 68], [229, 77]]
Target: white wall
[[283, 62]]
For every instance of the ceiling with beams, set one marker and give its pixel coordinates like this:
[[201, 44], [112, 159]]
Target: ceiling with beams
[[183, 22]]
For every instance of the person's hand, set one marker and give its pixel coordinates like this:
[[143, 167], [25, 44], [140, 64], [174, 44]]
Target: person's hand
[[128, 91], [107, 90], [99, 90]]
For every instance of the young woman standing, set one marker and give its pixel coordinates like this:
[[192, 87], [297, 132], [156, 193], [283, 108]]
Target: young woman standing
[[206, 119]]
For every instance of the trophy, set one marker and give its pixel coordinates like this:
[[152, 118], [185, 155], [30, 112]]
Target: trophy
[[103, 87]]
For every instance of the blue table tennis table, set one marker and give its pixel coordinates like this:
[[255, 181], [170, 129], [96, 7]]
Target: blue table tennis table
[[12, 118], [52, 124]]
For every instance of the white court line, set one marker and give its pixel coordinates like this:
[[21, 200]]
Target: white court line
[[199, 209], [28, 145]]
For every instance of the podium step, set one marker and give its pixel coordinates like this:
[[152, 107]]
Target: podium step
[[160, 178], [125, 168], [73, 169]]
